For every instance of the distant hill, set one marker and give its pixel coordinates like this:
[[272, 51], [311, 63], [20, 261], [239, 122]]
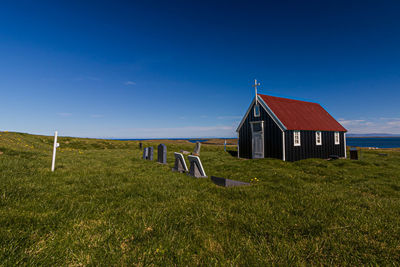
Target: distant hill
[[373, 135]]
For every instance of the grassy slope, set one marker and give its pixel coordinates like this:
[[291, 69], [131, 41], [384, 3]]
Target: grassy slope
[[106, 206]]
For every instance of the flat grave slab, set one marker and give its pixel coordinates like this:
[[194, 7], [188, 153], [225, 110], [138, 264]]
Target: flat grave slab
[[227, 182]]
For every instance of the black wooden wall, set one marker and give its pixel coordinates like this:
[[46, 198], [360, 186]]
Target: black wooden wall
[[273, 147], [309, 149]]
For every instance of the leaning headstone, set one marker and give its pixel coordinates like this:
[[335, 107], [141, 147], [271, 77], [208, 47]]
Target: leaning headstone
[[185, 152], [227, 182], [145, 152], [196, 168], [151, 151], [162, 154], [180, 164], [196, 151]]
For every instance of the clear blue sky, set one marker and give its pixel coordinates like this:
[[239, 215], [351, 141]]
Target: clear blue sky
[[138, 69]]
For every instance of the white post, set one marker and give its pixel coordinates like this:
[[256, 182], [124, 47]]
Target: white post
[[53, 163], [345, 146], [238, 135]]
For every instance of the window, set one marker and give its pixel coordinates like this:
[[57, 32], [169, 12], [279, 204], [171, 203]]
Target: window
[[256, 111], [296, 138], [337, 138], [318, 138], [257, 127]]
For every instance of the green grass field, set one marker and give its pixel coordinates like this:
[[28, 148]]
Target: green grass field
[[104, 205]]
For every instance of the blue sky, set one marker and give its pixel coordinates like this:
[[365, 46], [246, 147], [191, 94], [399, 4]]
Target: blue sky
[[152, 69]]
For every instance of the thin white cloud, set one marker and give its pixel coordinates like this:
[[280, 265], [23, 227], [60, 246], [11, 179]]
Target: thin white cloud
[[129, 83], [177, 132], [228, 117], [64, 114], [394, 123], [373, 125], [88, 78], [96, 116], [93, 78], [351, 122]]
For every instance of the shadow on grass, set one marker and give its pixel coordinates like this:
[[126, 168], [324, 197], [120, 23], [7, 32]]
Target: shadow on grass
[[233, 153]]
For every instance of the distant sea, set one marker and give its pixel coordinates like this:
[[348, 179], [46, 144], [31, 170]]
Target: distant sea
[[381, 142]]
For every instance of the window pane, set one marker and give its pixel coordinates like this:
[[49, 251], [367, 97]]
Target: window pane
[[296, 138], [256, 110], [257, 127]]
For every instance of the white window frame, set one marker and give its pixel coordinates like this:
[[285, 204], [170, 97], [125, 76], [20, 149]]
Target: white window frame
[[318, 134], [258, 108], [296, 136], [337, 138]]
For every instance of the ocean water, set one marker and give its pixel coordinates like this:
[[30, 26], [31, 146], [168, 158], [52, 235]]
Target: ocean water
[[381, 142]]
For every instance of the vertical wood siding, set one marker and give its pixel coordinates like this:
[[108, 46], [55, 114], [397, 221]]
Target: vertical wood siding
[[309, 149], [272, 136]]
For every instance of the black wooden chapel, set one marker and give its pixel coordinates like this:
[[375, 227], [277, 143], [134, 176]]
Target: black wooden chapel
[[289, 129]]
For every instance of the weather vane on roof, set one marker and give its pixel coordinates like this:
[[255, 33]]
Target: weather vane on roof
[[255, 87]]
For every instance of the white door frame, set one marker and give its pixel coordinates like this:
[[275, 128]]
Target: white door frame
[[252, 139]]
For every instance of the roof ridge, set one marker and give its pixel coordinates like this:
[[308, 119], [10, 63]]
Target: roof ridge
[[289, 99]]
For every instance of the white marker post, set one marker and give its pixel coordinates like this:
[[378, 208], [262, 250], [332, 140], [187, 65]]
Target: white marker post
[[53, 163]]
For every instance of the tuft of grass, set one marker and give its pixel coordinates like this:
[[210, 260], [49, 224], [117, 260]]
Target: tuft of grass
[[105, 206]]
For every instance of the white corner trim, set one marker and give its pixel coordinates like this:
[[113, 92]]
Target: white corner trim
[[238, 142], [345, 146], [284, 146]]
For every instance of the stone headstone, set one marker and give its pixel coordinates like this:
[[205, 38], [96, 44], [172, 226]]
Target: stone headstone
[[162, 154], [197, 149], [151, 152], [185, 152], [227, 182], [180, 164], [140, 145], [196, 168], [145, 152]]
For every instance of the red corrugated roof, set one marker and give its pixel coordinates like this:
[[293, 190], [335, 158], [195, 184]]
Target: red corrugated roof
[[302, 115]]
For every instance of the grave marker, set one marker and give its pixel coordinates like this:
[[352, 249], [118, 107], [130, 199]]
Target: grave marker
[[180, 164], [162, 154], [150, 155], [196, 168], [145, 152], [196, 151], [140, 145]]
